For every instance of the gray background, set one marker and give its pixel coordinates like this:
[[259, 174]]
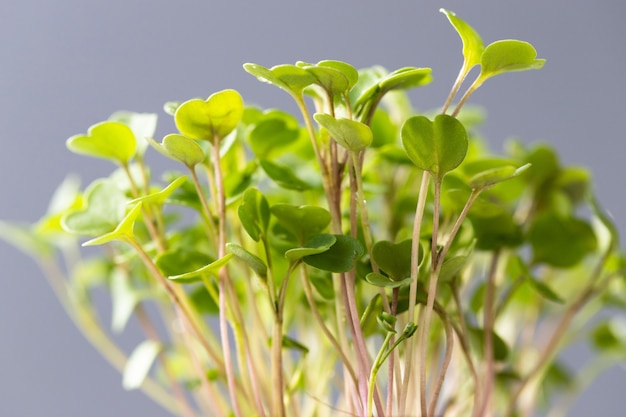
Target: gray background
[[70, 63]]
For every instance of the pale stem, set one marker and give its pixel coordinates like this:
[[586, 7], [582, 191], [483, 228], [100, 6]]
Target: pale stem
[[205, 206], [412, 314], [444, 366], [455, 88]]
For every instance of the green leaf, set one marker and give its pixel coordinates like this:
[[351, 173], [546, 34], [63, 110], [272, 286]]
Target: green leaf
[[383, 281], [330, 79], [180, 148], [284, 176], [451, 268], [143, 126], [158, 198], [181, 260], [304, 221], [214, 117], [105, 207], [107, 140], [323, 283], [394, 258], [494, 176], [405, 78], [254, 262], [202, 300], [352, 135], [254, 213], [496, 231], [273, 133], [290, 78], [341, 257], [211, 269], [560, 241], [472, 43], [123, 232], [318, 244], [290, 343], [437, 147], [508, 55], [139, 363], [348, 71]]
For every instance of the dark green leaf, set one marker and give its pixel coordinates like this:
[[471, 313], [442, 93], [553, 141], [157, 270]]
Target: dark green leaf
[[496, 231], [254, 262], [304, 221], [254, 213], [452, 267], [394, 258], [318, 244], [341, 257], [383, 281]]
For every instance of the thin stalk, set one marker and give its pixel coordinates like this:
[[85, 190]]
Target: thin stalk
[[477, 83], [412, 314], [86, 321], [432, 293], [378, 362], [205, 206], [444, 366], [223, 277], [308, 292], [455, 88], [151, 333], [488, 323]]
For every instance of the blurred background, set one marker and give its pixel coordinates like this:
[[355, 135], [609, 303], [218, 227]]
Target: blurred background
[[68, 64]]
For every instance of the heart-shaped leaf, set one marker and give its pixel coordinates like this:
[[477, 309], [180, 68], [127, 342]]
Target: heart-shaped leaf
[[290, 78], [348, 71], [212, 118], [437, 147], [143, 126], [351, 134], [254, 213], [472, 43], [330, 79], [496, 231], [341, 257], [394, 258], [108, 140], [284, 176], [180, 148], [508, 55], [105, 207], [316, 245], [304, 221], [254, 262]]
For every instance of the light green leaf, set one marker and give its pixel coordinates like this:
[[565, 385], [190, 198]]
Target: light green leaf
[[494, 176], [508, 55], [107, 140], [472, 43], [180, 148], [437, 147], [214, 117], [284, 176], [143, 126], [352, 135], [105, 207], [139, 363], [158, 198], [405, 78], [123, 231], [211, 269], [290, 78], [273, 133]]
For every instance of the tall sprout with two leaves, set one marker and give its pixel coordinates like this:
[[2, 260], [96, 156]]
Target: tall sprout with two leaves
[[372, 261]]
